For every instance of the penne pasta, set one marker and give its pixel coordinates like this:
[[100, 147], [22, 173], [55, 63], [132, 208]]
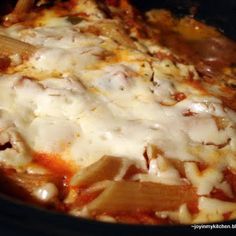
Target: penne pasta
[[110, 113], [104, 169], [11, 46], [19, 13], [23, 6], [23, 185], [131, 197]]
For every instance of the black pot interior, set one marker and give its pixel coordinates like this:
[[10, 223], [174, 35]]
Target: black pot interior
[[17, 218]]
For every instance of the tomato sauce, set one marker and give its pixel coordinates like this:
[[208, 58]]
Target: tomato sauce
[[55, 164], [219, 194], [62, 170]]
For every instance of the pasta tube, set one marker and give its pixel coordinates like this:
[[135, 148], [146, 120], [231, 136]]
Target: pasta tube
[[104, 169], [135, 196], [23, 6], [11, 46]]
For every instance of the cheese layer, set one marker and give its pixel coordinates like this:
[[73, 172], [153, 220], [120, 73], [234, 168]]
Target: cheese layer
[[82, 96]]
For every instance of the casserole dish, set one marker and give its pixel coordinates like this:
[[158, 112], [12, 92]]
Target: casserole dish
[[20, 218], [131, 227]]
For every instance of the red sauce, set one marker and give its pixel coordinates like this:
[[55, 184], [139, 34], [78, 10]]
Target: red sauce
[[62, 170], [227, 215], [193, 206], [188, 112], [114, 3], [4, 63], [219, 194], [179, 96], [55, 164], [201, 166]]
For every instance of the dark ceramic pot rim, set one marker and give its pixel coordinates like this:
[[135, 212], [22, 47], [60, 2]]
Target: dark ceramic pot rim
[[18, 218]]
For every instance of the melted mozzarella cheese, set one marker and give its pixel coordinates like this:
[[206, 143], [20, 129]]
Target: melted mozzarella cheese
[[46, 192], [209, 205], [182, 215], [160, 171], [110, 111], [204, 181], [212, 210]]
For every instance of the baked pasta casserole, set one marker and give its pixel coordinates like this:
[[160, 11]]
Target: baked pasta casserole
[[115, 115]]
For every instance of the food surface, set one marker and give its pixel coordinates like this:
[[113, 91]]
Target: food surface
[[116, 115]]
